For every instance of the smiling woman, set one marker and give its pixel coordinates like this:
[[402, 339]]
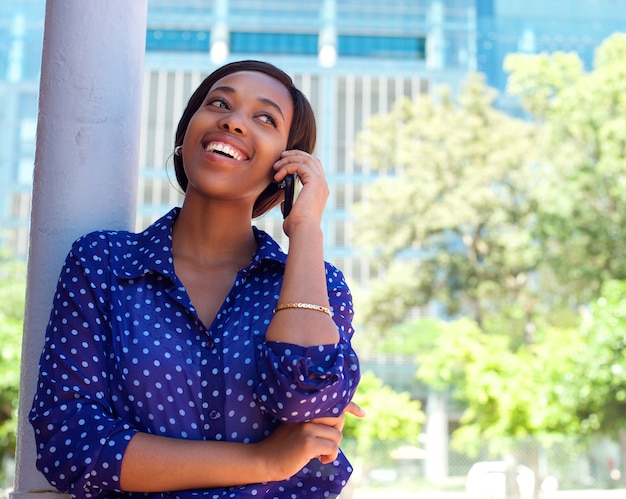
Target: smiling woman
[[196, 358], [247, 114], [302, 134]]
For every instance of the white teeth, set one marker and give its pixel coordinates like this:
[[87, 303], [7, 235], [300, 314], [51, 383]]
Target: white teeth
[[224, 149]]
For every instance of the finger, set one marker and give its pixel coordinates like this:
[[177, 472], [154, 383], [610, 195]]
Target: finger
[[294, 153], [333, 422], [294, 160], [287, 157], [352, 408], [329, 458], [328, 449], [355, 410], [283, 168]]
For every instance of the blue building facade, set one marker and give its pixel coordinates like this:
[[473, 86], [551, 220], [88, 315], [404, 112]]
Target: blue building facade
[[353, 58], [536, 26]]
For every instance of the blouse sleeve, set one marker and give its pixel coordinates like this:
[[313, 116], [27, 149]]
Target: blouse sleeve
[[80, 443], [303, 383]]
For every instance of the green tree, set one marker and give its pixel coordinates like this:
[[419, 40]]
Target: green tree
[[506, 393], [12, 299], [600, 390], [492, 382], [10, 349], [570, 381], [456, 183], [512, 226], [390, 415], [583, 120]]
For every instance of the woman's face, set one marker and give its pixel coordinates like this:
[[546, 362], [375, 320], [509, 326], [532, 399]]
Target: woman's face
[[235, 137]]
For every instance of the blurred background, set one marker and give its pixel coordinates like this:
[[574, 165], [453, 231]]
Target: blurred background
[[476, 155]]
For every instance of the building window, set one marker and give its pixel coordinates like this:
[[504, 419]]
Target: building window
[[340, 234], [340, 196], [171, 40], [391, 47], [273, 43]]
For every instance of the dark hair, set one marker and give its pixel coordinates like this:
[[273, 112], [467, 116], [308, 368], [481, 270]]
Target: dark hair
[[302, 134]]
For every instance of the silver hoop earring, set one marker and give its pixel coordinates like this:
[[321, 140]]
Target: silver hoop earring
[[178, 150]]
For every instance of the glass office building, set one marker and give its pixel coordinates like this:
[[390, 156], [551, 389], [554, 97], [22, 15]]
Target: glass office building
[[536, 26], [353, 59]]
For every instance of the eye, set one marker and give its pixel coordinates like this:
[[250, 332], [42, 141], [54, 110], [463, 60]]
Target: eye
[[219, 103], [269, 119]]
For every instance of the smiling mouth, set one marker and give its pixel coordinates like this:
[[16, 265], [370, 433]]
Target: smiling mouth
[[224, 150]]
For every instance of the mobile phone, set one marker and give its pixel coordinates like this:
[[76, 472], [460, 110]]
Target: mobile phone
[[289, 185]]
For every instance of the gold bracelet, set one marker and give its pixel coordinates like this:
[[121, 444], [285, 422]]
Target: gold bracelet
[[308, 306]]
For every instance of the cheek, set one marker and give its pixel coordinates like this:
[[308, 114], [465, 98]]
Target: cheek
[[268, 176]]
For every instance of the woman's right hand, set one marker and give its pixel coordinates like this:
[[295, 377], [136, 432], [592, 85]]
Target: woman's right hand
[[309, 206]]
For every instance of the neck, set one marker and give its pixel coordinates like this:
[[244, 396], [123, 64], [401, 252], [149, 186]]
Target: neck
[[213, 234]]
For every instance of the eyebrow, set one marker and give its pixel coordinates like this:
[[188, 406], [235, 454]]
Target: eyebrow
[[264, 100]]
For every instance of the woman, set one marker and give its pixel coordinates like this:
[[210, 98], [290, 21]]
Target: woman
[[196, 358]]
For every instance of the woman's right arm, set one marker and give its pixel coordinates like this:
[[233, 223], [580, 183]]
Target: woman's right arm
[[153, 463]]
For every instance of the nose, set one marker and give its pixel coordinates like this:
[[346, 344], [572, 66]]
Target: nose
[[233, 123]]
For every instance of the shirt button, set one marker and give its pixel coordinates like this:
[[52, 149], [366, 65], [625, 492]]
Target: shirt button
[[214, 414]]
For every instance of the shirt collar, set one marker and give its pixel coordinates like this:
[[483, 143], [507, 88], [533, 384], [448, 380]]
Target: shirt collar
[[151, 250]]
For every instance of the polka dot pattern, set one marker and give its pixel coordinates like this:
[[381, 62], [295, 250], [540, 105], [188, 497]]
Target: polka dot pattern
[[125, 352]]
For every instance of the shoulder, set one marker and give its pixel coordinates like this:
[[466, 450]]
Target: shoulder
[[102, 242], [129, 252]]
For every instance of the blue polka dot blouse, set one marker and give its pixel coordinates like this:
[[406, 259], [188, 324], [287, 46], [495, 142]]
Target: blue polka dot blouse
[[125, 352]]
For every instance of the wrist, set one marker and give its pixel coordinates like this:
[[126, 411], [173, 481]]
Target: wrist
[[310, 230], [264, 462], [259, 465]]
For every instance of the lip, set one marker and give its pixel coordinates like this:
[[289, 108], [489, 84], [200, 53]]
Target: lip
[[225, 146]]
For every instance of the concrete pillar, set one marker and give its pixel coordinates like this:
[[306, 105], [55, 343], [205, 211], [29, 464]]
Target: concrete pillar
[[86, 164]]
